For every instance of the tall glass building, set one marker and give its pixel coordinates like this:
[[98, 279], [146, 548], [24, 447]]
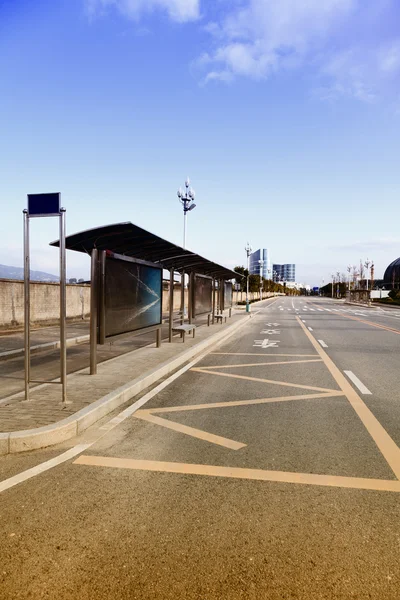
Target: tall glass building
[[263, 255], [285, 272]]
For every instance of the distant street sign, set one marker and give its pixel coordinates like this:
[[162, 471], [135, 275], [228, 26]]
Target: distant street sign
[[44, 205]]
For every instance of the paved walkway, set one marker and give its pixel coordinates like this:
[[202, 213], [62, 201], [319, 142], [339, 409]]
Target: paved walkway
[[42, 335], [45, 406]]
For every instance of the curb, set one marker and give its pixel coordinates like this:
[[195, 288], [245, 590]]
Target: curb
[[41, 437], [80, 339]]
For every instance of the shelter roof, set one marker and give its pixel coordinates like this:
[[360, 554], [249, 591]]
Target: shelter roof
[[131, 240]]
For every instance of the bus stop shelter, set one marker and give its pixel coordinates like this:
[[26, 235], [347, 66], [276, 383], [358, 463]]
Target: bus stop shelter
[[143, 247]]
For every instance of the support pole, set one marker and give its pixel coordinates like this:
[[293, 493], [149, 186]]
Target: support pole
[[182, 297], [101, 297], [63, 308], [213, 302], [93, 312], [171, 304], [191, 297], [27, 342]]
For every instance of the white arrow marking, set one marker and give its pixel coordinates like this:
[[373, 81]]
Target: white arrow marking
[[265, 343]]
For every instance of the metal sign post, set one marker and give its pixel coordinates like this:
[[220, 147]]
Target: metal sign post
[[45, 205]]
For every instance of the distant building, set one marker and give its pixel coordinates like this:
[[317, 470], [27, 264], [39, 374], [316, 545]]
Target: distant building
[[255, 257], [285, 272], [392, 274]]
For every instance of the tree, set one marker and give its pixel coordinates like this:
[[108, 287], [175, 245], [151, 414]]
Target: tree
[[242, 281]]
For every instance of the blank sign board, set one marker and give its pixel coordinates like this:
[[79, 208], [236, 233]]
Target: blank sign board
[[202, 295], [227, 301], [44, 205], [132, 296]]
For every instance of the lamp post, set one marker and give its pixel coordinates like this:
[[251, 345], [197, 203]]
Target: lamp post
[[186, 197], [333, 281], [248, 251], [349, 271], [366, 265]]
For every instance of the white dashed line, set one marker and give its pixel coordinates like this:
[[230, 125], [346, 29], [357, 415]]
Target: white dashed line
[[358, 383], [311, 329], [323, 343]]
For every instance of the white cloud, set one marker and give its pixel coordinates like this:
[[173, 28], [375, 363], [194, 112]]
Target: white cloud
[[333, 39], [178, 10], [263, 36]]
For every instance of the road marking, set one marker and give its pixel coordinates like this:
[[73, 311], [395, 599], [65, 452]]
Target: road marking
[[320, 309], [328, 309], [385, 327], [274, 382], [270, 332], [45, 466], [323, 343], [363, 389], [311, 329], [233, 403], [192, 431], [313, 309], [303, 320], [272, 324], [265, 343], [239, 473], [260, 354], [382, 439], [262, 364]]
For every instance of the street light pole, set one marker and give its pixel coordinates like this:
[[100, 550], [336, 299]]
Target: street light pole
[[261, 262], [333, 281], [186, 199], [366, 265], [248, 251]]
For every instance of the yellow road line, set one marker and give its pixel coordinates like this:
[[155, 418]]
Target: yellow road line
[[382, 439], [378, 325], [263, 364], [197, 433], [245, 377], [231, 403], [240, 473], [261, 354]]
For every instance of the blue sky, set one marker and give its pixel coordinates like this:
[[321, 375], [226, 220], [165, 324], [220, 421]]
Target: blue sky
[[286, 116]]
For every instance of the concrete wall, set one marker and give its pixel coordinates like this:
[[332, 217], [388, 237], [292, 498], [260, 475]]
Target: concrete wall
[[45, 303]]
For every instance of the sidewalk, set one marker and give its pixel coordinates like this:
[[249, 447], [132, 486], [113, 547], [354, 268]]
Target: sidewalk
[[43, 338], [44, 420]]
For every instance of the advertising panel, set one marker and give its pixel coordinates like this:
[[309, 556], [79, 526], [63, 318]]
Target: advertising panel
[[132, 295], [202, 295], [227, 294]]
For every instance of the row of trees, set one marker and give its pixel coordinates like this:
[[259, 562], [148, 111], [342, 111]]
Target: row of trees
[[267, 284]]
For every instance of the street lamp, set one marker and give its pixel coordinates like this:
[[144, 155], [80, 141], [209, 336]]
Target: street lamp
[[185, 198], [366, 265], [248, 251], [333, 281], [349, 271]]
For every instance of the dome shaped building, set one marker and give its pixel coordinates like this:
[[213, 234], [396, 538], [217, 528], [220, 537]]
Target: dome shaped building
[[392, 273]]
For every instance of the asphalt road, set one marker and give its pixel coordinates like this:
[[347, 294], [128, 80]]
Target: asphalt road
[[261, 472]]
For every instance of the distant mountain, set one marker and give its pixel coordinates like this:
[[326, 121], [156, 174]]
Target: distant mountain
[[18, 273]]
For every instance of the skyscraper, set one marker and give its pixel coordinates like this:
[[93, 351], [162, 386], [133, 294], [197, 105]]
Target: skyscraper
[[263, 255], [285, 272]]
